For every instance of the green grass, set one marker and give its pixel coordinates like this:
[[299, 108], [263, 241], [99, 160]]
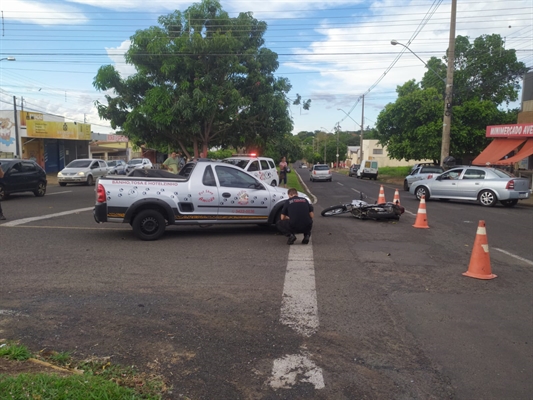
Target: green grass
[[100, 379], [53, 387], [13, 351], [400, 172]]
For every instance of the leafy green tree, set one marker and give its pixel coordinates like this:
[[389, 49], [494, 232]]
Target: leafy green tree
[[486, 76], [202, 79]]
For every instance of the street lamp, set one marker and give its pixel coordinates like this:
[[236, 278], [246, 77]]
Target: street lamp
[[325, 143], [395, 42], [361, 135], [448, 82], [8, 59]]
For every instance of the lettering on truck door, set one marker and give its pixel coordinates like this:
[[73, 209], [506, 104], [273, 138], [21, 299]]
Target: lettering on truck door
[[204, 197], [241, 196]]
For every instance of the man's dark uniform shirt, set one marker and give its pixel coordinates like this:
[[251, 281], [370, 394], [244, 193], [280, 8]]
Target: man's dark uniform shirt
[[298, 209]]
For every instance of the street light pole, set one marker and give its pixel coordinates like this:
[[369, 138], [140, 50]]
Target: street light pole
[[395, 42], [447, 118]]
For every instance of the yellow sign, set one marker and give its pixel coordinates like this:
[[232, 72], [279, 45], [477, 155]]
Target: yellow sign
[[58, 130], [25, 116]]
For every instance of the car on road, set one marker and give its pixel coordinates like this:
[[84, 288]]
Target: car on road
[[421, 171], [263, 168], [320, 172], [116, 167], [482, 184], [22, 176], [138, 163], [85, 170], [353, 170]]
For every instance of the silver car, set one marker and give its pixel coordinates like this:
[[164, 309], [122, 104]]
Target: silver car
[[138, 163], [320, 172], [421, 171], [482, 184], [85, 170]]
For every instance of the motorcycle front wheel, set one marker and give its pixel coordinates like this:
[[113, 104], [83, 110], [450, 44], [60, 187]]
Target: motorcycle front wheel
[[335, 210]]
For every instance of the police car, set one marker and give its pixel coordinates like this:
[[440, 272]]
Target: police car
[[263, 168]]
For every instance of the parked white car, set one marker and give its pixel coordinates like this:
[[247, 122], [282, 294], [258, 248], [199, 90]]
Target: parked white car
[[85, 170], [263, 168]]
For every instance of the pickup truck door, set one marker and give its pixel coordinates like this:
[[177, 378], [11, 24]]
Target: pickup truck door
[[204, 198], [241, 196]]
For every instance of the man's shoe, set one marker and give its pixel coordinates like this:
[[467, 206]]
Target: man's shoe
[[305, 240], [2, 218], [291, 239]]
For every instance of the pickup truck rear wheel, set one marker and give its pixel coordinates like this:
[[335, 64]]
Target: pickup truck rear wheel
[[149, 225]]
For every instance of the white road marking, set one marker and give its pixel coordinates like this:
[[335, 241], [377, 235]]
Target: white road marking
[[294, 368], [355, 190], [66, 191], [31, 219], [299, 310], [338, 183], [514, 256]]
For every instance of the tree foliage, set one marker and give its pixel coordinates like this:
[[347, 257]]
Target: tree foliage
[[486, 77], [202, 79]]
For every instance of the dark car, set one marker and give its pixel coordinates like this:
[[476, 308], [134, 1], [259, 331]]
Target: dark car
[[22, 176], [353, 170]]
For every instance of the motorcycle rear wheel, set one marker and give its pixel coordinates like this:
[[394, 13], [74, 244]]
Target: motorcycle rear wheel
[[335, 210]]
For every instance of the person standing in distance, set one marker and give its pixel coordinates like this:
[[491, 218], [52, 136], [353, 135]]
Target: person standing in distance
[[2, 218], [296, 217], [172, 164], [283, 172]]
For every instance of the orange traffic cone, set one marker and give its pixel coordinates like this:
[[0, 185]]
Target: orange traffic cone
[[381, 198], [421, 217], [479, 266], [396, 197]]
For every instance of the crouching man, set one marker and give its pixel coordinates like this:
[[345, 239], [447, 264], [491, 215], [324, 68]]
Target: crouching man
[[296, 217]]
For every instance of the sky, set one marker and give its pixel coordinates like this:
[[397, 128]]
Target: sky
[[333, 52]]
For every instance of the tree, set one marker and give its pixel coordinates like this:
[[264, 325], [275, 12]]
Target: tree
[[486, 77], [202, 79]]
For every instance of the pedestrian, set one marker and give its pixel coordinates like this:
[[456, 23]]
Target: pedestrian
[[283, 172], [2, 218], [296, 217], [171, 164], [181, 161]]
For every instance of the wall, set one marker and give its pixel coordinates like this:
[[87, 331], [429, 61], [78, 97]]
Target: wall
[[370, 150]]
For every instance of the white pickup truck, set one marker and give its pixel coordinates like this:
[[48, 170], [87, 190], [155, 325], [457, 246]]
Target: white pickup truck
[[204, 192]]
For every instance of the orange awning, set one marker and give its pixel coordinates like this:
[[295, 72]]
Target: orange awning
[[525, 151], [498, 148]]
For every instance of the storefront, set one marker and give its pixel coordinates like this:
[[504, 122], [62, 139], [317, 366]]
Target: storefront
[[46, 139], [511, 146]]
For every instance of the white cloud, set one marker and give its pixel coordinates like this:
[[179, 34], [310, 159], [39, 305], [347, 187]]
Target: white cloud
[[42, 13]]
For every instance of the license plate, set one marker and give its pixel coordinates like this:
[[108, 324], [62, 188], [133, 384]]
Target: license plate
[[522, 195]]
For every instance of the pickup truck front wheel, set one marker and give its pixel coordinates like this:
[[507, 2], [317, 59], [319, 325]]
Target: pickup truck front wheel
[[149, 225]]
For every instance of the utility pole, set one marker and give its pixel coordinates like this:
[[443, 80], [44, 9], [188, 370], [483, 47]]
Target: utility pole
[[362, 129], [16, 127], [337, 128], [448, 96]]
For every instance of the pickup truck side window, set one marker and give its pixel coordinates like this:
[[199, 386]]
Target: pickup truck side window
[[209, 177], [230, 177], [186, 170]]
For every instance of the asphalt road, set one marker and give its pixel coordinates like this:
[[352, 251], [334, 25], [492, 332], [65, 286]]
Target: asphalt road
[[376, 310]]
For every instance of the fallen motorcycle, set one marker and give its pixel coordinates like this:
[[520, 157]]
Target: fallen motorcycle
[[362, 210]]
